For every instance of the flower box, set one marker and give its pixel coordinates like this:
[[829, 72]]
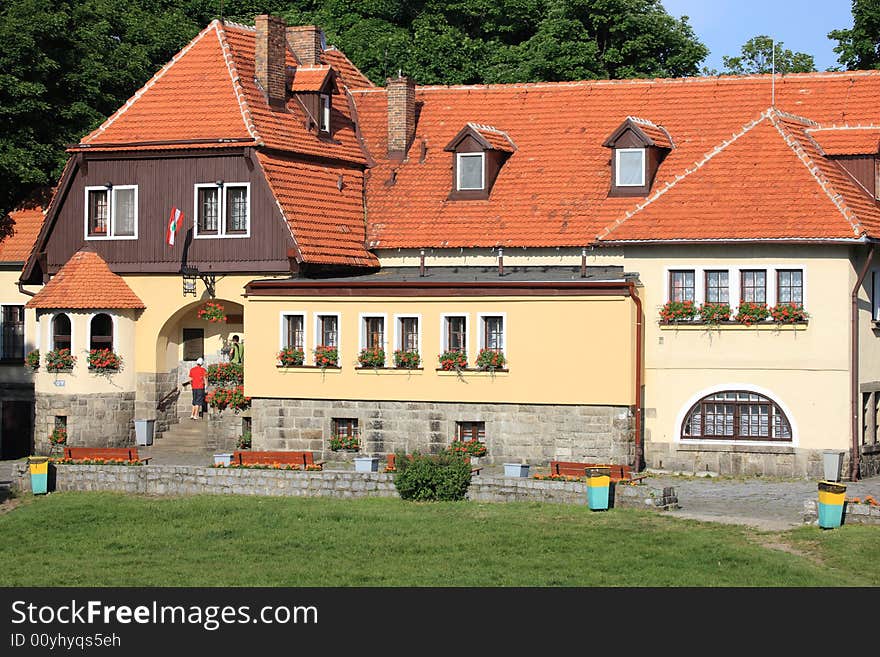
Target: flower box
[[371, 358], [453, 360], [516, 469], [326, 357], [290, 357], [407, 359], [490, 360], [60, 360], [366, 464], [677, 311]]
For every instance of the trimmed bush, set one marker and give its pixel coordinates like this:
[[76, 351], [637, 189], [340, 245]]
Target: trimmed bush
[[432, 477]]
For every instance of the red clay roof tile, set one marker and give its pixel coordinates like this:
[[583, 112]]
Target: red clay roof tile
[[847, 140], [310, 78], [26, 226], [85, 281]]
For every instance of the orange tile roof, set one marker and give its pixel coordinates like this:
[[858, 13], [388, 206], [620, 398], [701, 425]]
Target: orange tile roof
[[847, 140], [310, 78], [497, 139], [350, 74], [323, 206], [85, 281], [655, 133], [553, 191], [26, 224]]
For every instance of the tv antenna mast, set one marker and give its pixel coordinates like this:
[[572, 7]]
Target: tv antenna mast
[[773, 73]]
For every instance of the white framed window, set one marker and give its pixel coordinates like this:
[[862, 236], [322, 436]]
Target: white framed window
[[875, 294], [327, 330], [470, 171], [325, 113], [102, 331], [373, 331], [454, 329], [493, 331], [61, 331], [111, 212], [222, 210], [629, 167], [293, 330], [408, 333], [756, 283], [12, 335]]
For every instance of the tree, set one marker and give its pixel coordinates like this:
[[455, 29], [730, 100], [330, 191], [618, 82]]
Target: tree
[[859, 47], [757, 57]]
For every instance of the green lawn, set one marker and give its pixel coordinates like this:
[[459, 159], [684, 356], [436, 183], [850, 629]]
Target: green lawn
[[103, 539]]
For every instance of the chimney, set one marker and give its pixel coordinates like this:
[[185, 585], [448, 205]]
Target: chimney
[[401, 115], [307, 43], [271, 69]]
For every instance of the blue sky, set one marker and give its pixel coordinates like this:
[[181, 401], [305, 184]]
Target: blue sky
[[724, 25]]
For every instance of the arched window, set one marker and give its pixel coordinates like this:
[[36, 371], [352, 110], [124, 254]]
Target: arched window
[[736, 415], [61, 332], [101, 332]]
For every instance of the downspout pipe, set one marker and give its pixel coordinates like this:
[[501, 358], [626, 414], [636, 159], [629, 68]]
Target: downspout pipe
[[638, 460], [23, 291], [855, 457]]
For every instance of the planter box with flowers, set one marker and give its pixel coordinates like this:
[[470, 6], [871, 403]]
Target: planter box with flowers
[[326, 357], [789, 313], [104, 361], [212, 312], [32, 360], [453, 360], [490, 360], [60, 360], [674, 312], [232, 397], [290, 357], [751, 313], [58, 438], [407, 360], [371, 358], [468, 448], [715, 313], [345, 443]]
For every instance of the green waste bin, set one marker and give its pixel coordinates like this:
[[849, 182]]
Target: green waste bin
[[39, 467], [598, 488]]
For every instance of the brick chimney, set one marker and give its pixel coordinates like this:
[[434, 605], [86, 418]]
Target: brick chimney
[[401, 115], [307, 43], [271, 70]]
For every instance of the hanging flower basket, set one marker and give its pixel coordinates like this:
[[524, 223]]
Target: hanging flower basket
[[212, 312]]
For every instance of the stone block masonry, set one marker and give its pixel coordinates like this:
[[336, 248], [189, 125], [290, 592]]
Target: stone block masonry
[[199, 480], [93, 420], [158, 395], [534, 433]]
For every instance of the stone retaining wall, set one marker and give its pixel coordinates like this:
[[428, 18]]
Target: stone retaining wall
[[193, 480], [853, 514], [534, 433], [157, 399], [93, 420]]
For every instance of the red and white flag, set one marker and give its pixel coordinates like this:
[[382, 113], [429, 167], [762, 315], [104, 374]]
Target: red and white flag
[[174, 222]]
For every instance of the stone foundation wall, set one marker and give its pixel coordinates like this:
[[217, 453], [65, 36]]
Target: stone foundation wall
[[736, 460], [193, 480], [96, 420], [869, 463], [853, 514], [224, 430], [536, 433], [157, 399]]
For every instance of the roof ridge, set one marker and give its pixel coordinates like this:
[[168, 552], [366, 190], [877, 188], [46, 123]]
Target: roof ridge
[[688, 171], [834, 126], [240, 96], [793, 117], [826, 185], [241, 26], [140, 92]]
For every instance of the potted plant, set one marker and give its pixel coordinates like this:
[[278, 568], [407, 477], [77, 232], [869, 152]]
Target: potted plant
[[788, 313], [453, 360], [60, 360], [750, 313], [244, 440], [290, 357], [490, 360], [345, 443], [104, 361], [32, 360], [326, 356], [58, 438], [673, 312], [212, 312], [374, 357], [715, 313], [408, 360]]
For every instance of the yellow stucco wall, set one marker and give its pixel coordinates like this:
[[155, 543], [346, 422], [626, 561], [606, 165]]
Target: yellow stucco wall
[[806, 371], [560, 350], [9, 294]]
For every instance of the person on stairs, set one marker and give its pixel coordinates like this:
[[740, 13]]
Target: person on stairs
[[197, 376]]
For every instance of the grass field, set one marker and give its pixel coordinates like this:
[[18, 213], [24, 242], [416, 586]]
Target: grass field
[[103, 539]]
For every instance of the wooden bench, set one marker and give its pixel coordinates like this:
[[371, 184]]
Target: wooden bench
[[618, 473], [391, 464], [302, 459], [106, 453]]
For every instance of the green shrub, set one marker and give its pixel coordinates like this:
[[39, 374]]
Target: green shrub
[[432, 477]]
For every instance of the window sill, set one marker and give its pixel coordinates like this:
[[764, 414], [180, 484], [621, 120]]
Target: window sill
[[472, 372], [733, 326], [389, 370], [737, 446], [308, 368]]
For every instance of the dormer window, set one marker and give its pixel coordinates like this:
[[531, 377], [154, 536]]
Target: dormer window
[[630, 167], [325, 113], [470, 171], [478, 153], [638, 147], [313, 87]]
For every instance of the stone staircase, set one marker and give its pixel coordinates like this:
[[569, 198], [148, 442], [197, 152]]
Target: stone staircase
[[187, 436]]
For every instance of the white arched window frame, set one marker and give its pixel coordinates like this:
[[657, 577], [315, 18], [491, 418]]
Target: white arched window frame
[[731, 387], [51, 330], [113, 320]]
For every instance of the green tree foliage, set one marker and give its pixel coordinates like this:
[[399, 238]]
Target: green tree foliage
[[859, 47], [65, 65], [756, 56]]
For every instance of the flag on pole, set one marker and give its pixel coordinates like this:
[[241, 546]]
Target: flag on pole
[[173, 225]]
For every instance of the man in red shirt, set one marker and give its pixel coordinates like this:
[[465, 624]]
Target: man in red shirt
[[197, 377]]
